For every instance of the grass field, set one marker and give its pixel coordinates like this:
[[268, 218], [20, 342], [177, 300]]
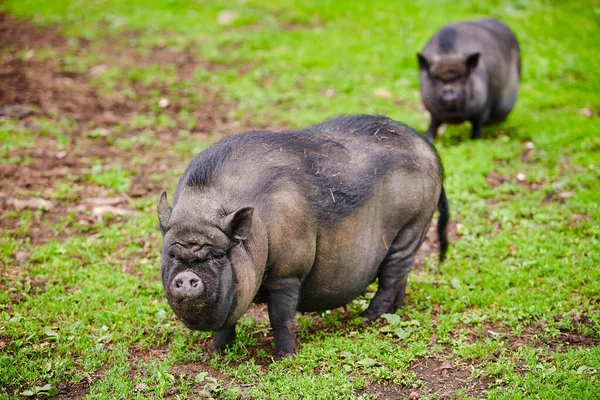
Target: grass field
[[103, 104]]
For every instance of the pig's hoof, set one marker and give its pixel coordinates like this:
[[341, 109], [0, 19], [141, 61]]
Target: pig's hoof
[[280, 355], [370, 315], [214, 349], [217, 347]]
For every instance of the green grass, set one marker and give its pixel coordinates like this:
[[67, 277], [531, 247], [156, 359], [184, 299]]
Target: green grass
[[524, 269]]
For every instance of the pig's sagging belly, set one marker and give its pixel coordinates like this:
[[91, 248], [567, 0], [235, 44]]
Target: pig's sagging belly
[[331, 286], [347, 261]]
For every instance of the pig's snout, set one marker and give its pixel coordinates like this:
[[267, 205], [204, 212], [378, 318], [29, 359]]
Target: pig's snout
[[449, 96], [186, 285]]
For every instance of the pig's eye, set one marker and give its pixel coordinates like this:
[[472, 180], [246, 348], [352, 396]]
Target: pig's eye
[[216, 255], [174, 251]]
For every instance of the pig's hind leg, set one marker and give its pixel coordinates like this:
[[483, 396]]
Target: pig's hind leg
[[393, 272]]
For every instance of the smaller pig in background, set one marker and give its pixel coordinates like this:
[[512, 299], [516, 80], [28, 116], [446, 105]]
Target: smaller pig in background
[[470, 71]]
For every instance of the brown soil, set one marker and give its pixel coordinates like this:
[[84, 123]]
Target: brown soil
[[31, 89], [495, 179], [67, 391], [434, 377]]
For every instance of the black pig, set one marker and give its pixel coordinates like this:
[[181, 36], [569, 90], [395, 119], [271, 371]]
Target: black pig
[[304, 220], [470, 71]]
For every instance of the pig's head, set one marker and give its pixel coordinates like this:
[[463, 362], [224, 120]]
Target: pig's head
[[197, 268], [446, 86]]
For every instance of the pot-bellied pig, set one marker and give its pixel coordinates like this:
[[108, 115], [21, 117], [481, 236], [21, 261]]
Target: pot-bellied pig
[[470, 71], [304, 220]]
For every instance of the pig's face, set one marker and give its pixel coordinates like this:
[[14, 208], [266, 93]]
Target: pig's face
[[445, 83], [196, 269], [198, 282]]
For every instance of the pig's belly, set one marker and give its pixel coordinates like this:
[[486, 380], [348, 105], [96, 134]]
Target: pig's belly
[[334, 286], [347, 261], [348, 256]]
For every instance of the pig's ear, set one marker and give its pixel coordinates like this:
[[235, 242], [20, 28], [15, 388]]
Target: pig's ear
[[423, 62], [164, 212], [471, 61], [239, 223]]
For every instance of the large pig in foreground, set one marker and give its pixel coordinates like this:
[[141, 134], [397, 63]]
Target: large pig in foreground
[[470, 71], [304, 220]]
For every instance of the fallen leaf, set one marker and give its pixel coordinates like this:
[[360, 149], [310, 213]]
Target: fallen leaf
[[79, 208], [521, 177], [586, 112], [226, 17], [447, 364], [33, 202], [98, 69], [21, 257], [140, 387], [414, 396], [104, 201], [565, 195], [100, 211], [329, 92], [163, 103], [383, 93], [516, 346]]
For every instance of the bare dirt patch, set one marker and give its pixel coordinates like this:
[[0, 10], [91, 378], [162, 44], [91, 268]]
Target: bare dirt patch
[[531, 335], [434, 377], [14, 32], [495, 179], [55, 89], [35, 92], [444, 379], [68, 390]]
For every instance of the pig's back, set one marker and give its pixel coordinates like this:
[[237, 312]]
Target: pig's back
[[490, 37], [333, 166], [499, 30]]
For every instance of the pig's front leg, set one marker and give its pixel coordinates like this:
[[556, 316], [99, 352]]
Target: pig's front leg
[[433, 128], [223, 338], [283, 302], [477, 123]]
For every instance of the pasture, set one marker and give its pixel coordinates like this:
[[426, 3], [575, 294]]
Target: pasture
[[103, 104]]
